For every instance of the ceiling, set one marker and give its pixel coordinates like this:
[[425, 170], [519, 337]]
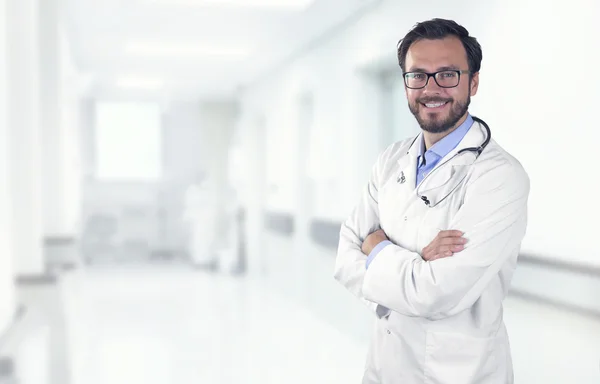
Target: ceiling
[[192, 48]]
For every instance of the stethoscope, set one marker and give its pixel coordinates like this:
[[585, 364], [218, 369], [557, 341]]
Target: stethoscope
[[476, 150]]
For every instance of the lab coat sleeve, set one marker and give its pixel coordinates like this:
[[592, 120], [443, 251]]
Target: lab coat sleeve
[[350, 264], [493, 218]]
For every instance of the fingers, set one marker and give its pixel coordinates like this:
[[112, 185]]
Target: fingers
[[446, 244], [454, 246], [450, 248], [437, 255], [450, 233], [440, 256], [451, 241], [433, 251]]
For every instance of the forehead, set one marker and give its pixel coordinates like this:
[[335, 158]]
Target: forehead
[[433, 54]]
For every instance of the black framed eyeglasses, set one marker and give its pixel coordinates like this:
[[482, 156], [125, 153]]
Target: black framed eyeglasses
[[445, 79]]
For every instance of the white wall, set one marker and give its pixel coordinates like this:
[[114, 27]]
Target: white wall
[[70, 130], [182, 135], [546, 114], [536, 93], [7, 290]]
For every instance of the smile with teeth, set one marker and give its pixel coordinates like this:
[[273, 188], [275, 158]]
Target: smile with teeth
[[435, 105]]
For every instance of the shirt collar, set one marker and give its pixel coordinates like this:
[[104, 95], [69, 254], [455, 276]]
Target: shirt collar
[[449, 142]]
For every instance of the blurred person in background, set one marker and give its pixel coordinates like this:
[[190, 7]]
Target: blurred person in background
[[432, 244], [200, 216]]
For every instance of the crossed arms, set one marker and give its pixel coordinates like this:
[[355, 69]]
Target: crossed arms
[[433, 283]]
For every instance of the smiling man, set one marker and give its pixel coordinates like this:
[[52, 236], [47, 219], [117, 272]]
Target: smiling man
[[432, 244]]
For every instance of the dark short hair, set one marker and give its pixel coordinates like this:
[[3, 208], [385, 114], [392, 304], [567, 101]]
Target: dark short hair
[[439, 29]]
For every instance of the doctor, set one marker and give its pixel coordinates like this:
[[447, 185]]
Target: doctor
[[432, 244], [201, 217]]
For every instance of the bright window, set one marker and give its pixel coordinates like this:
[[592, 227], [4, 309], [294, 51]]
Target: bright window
[[128, 142]]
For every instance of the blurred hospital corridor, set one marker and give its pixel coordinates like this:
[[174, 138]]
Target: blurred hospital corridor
[[175, 176], [155, 325]]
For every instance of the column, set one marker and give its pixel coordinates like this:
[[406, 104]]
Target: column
[[254, 191], [73, 90], [302, 263], [24, 136], [34, 136], [53, 204], [7, 290]]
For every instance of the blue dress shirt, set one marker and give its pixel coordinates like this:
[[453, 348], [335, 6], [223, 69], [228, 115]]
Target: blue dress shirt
[[427, 160]]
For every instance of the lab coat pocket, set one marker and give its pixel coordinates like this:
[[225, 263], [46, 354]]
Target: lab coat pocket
[[453, 358]]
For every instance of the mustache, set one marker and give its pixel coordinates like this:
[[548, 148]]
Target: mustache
[[425, 100]]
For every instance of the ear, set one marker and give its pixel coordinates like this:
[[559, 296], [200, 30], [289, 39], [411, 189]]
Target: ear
[[474, 83]]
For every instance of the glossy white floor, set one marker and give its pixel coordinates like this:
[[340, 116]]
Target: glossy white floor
[[181, 326], [174, 325]]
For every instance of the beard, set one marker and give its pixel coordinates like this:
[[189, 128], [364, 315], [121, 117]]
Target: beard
[[434, 124]]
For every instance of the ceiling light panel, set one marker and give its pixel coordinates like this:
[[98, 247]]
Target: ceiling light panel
[[272, 4], [158, 48]]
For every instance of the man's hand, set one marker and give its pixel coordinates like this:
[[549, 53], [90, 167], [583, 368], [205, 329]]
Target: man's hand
[[445, 244], [372, 240]]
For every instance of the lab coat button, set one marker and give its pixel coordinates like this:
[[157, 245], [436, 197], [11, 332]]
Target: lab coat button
[[405, 218], [388, 332]]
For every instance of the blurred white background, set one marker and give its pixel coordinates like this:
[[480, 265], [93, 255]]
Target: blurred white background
[[129, 126]]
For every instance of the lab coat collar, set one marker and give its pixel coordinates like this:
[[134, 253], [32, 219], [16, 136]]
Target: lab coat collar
[[407, 164], [449, 142]]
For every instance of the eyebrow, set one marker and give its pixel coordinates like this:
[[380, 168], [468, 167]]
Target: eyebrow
[[446, 68]]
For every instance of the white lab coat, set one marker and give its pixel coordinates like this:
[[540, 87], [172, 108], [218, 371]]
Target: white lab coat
[[438, 322]]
